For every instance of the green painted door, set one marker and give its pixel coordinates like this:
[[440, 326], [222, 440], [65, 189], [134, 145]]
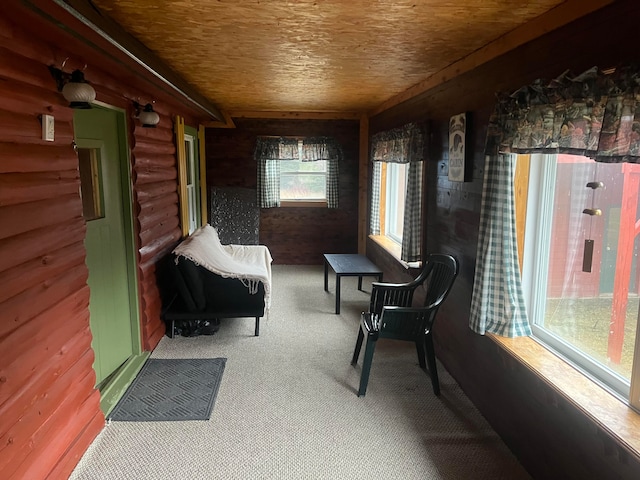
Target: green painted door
[[100, 135]]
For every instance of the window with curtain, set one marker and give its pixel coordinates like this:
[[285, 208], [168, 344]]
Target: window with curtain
[[297, 170], [572, 146], [396, 189]]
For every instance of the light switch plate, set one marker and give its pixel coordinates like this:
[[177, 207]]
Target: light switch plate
[[48, 128]]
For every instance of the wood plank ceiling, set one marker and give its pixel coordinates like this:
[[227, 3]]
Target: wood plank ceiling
[[315, 55]]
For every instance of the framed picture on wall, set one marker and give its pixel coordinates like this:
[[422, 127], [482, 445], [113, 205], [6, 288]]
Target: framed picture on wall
[[457, 150]]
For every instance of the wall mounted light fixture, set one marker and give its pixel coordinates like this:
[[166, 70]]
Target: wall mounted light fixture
[[74, 87], [147, 116]]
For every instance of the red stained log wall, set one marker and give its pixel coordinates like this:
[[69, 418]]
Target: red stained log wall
[[49, 407]]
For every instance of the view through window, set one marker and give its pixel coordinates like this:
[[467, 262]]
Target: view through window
[[303, 180], [580, 264], [395, 194]]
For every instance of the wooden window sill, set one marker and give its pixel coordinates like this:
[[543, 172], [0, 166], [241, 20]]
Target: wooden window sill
[[304, 203], [393, 249], [608, 411]]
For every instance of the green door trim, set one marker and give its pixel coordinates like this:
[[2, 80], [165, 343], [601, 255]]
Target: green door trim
[[112, 390], [127, 202]]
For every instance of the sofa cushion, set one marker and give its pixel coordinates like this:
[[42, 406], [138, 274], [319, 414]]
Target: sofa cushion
[[190, 285]]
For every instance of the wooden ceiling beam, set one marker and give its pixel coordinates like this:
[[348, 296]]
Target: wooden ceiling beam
[[298, 115]]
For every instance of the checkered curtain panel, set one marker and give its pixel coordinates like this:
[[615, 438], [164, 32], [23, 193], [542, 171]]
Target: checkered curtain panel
[[332, 183], [374, 220], [325, 148], [401, 145], [497, 303], [268, 183], [411, 229], [268, 154]]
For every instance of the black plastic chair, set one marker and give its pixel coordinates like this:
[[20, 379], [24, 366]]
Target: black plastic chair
[[391, 315]]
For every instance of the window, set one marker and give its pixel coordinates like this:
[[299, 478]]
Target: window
[[297, 172], [193, 190], [581, 276], [396, 192], [303, 181], [91, 183], [395, 195], [192, 176]]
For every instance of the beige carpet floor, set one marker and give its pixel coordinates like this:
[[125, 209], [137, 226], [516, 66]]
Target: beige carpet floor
[[287, 406]]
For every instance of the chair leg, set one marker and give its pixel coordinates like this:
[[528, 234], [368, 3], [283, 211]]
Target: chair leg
[[257, 332], [431, 360], [356, 352], [170, 328], [366, 366], [421, 354]]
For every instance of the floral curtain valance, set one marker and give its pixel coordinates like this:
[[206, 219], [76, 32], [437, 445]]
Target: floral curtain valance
[[595, 114], [320, 148], [311, 150], [399, 145], [276, 148]]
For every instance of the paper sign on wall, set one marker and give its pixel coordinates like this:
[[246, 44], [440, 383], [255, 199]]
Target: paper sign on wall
[[457, 137]]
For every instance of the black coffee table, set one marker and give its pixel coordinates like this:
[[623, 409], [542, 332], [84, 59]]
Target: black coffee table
[[348, 265]]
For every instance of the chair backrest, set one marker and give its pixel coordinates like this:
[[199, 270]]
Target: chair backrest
[[396, 294], [440, 272], [437, 277]]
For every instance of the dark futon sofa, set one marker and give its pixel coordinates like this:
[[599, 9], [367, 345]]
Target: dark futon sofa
[[197, 299]]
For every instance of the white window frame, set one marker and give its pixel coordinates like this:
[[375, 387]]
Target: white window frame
[[193, 189], [192, 182], [395, 193], [537, 241], [297, 201]]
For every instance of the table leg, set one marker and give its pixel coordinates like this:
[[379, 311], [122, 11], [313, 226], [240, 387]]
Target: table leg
[[326, 276], [337, 294], [360, 283]]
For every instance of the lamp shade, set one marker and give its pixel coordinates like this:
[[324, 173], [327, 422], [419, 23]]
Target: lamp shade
[[78, 92], [148, 117]]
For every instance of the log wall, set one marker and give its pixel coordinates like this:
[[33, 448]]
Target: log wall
[[49, 408], [550, 435], [294, 235]]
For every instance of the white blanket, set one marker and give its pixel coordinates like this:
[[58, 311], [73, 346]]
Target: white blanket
[[249, 263]]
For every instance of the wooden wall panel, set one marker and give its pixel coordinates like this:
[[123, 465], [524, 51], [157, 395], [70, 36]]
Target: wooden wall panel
[[157, 222], [49, 408], [549, 435], [294, 235], [43, 343]]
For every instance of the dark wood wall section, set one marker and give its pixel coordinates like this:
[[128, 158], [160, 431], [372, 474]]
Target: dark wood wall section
[[550, 436], [294, 235], [49, 408]]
